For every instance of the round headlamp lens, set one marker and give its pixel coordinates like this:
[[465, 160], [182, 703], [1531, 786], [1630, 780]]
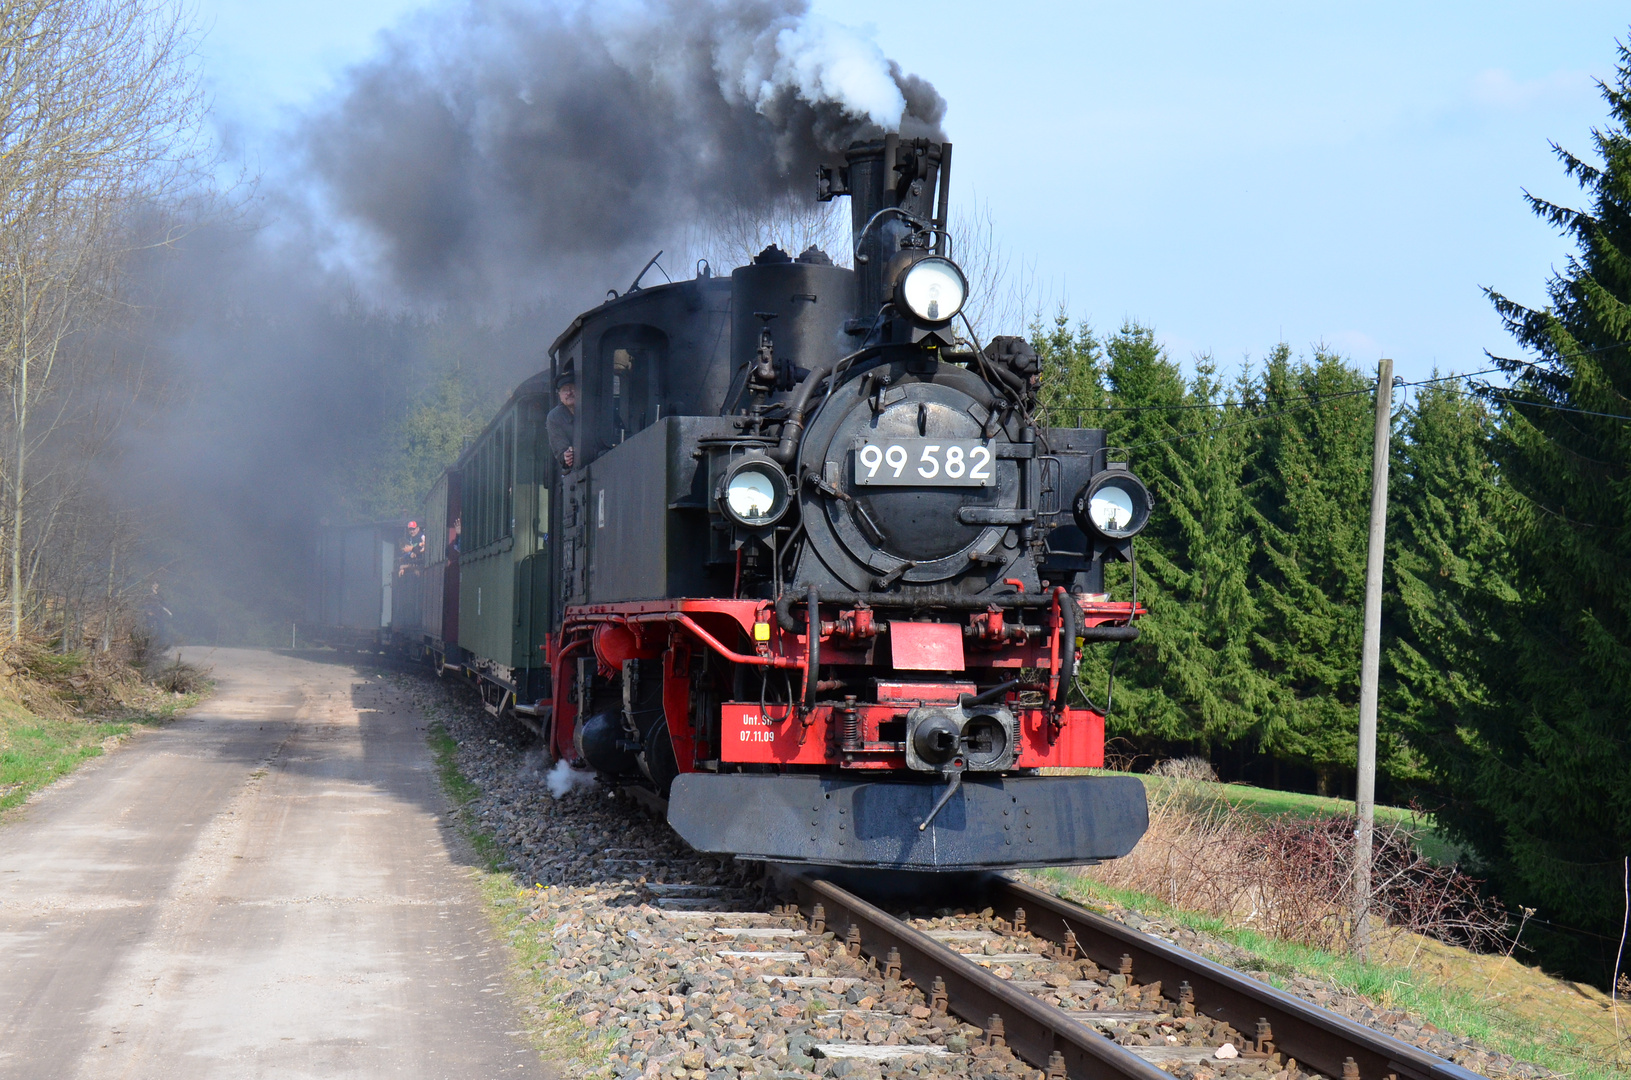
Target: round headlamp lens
[[1111, 509], [1114, 504], [933, 289], [755, 493], [751, 494]]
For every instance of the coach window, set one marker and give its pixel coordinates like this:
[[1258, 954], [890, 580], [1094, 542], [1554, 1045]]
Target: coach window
[[490, 510], [480, 521], [507, 519], [486, 506], [475, 527], [637, 357]]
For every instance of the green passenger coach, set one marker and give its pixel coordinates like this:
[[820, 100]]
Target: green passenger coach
[[504, 553]]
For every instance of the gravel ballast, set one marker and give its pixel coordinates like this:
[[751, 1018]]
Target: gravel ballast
[[673, 965]]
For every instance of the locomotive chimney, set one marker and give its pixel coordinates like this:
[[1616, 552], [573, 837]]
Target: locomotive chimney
[[883, 175]]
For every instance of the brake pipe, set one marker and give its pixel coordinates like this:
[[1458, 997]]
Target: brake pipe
[[942, 602], [1053, 648], [561, 688], [812, 653], [684, 620]]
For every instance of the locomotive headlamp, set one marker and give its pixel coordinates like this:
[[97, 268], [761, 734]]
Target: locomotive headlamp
[[1114, 504], [754, 492], [932, 289]]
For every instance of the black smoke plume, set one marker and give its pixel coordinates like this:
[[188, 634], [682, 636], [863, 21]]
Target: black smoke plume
[[490, 172], [496, 149]]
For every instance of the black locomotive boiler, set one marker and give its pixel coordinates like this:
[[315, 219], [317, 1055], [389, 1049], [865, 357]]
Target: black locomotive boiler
[[814, 575]]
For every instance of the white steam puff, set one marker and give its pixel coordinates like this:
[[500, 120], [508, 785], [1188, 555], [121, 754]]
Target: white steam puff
[[563, 779], [823, 61]]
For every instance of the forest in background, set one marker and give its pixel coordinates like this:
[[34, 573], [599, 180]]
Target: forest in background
[[1506, 694]]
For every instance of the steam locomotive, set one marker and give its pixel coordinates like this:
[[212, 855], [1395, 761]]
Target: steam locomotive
[[815, 576]]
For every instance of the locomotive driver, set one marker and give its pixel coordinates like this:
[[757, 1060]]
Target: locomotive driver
[[559, 422]]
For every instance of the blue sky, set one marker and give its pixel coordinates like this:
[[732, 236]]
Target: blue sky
[[1231, 175]]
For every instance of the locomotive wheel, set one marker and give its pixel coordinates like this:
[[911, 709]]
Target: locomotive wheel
[[661, 765]]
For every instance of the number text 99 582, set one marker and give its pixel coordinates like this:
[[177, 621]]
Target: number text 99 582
[[924, 463]]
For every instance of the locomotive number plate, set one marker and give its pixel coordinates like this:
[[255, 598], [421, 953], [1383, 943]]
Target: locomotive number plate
[[924, 463]]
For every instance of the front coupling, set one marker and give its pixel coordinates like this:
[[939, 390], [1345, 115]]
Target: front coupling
[[947, 738]]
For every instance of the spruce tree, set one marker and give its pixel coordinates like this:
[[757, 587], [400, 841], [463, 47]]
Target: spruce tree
[[1072, 391], [1190, 678], [1309, 486], [1546, 791], [1252, 565], [1446, 563], [1188, 685]]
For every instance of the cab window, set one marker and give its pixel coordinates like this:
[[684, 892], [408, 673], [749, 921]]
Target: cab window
[[636, 358]]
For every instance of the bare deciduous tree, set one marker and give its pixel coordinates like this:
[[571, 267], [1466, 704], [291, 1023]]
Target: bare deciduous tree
[[793, 224], [99, 112], [1002, 290]]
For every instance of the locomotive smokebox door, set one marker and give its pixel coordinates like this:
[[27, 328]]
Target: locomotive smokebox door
[[917, 478]]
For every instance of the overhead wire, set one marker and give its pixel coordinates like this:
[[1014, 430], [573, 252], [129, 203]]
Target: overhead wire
[[1253, 404], [1351, 393], [1193, 405], [1310, 401], [1318, 397], [1523, 403]]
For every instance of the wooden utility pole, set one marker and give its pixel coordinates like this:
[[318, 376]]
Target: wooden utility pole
[[1370, 660]]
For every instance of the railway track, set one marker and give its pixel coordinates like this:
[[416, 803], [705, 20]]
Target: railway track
[[1184, 1009], [698, 969]]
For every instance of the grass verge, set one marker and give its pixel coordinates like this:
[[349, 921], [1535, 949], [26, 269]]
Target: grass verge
[[1270, 803], [463, 791], [554, 1029], [39, 750], [1267, 802], [1498, 1003], [511, 908]]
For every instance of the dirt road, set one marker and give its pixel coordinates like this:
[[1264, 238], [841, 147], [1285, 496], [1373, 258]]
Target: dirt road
[[268, 887]]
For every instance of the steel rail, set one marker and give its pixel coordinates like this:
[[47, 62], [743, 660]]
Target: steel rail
[[1032, 1029], [1315, 1037]]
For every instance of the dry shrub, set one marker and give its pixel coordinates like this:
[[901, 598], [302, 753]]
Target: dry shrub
[[181, 678], [1193, 856], [1313, 858], [1291, 877], [1121, 755], [1187, 768], [89, 682]]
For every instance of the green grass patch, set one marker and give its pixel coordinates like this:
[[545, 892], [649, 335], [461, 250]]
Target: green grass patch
[[1480, 1017], [36, 750], [462, 790], [553, 1028]]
